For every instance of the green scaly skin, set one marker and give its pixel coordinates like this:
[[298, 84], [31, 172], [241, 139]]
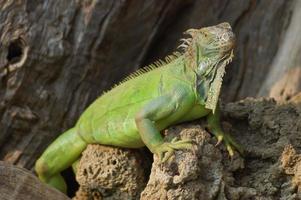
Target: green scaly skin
[[133, 113]]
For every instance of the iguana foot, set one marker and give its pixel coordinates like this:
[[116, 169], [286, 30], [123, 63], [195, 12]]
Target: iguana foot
[[230, 143], [166, 149]]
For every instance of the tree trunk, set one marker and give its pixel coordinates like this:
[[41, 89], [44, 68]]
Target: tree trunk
[[284, 78], [56, 57]]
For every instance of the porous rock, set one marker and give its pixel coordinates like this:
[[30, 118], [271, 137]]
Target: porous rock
[[190, 174], [291, 164], [110, 173]]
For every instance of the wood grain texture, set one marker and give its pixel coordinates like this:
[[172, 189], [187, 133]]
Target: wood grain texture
[[18, 183], [284, 78]]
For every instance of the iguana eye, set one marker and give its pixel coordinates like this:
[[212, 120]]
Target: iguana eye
[[225, 37]]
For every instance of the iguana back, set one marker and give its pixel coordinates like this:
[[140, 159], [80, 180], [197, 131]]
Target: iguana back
[[111, 118]]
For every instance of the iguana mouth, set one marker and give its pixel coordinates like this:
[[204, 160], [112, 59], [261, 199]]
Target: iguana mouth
[[229, 57]]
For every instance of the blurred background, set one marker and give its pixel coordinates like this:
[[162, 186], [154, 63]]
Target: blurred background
[[56, 57]]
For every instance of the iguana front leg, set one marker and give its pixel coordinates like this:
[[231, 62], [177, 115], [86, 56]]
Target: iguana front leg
[[215, 128], [159, 109]]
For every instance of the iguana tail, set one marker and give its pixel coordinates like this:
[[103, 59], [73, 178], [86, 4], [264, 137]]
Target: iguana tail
[[61, 154]]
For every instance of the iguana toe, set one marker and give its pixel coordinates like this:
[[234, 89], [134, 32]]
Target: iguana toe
[[219, 139], [230, 143], [166, 149]]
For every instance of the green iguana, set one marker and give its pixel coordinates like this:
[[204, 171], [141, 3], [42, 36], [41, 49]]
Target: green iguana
[[185, 87]]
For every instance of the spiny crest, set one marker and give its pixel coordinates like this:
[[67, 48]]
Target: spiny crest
[[148, 68], [187, 47], [186, 42], [152, 66]]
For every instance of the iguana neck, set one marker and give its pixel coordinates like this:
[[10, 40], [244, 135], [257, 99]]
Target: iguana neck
[[209, 81], [181, 70]]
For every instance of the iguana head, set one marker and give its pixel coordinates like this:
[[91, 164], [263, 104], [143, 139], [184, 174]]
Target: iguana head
[[207, 52], [209, 46]]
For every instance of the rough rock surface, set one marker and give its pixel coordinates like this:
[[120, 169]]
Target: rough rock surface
[[110, 173], [265, 128], [291, 163], [270, 169], [190, 174]]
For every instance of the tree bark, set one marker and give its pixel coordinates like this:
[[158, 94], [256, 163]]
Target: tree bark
[[56, 57], [19, 183], [284, 79]]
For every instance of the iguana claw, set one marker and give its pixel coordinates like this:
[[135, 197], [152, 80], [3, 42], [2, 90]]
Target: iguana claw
[[219, 139], [229, 143], [166, 149]]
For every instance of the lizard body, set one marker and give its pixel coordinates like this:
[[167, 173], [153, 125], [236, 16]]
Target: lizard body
[[132, 114]]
